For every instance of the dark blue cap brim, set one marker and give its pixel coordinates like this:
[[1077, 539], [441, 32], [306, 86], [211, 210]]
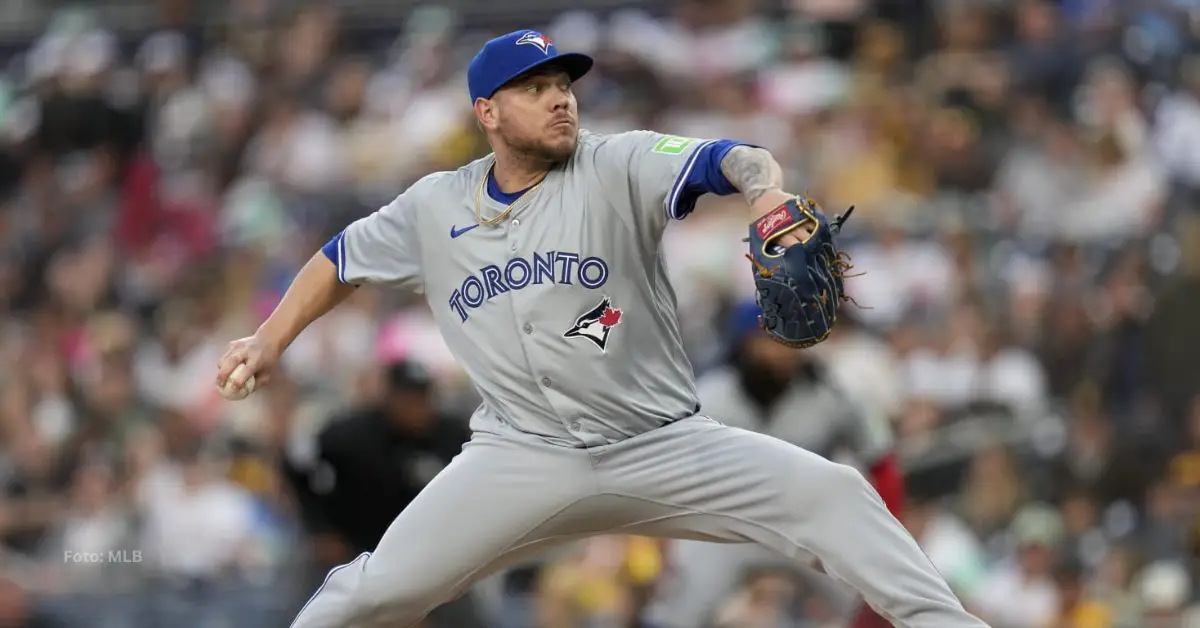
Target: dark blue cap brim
[[575, 64]]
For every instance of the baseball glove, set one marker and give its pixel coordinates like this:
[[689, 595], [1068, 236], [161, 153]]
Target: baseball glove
[[800, 288]]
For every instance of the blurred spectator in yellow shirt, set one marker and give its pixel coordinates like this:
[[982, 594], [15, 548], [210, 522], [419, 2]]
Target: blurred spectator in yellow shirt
[[601, 585], [1077, 609], [1185, 466]]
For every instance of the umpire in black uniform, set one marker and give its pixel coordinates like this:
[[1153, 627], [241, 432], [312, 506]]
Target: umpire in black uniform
[[368, 464]]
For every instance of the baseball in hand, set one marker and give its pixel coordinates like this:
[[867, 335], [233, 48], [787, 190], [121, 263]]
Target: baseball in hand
[[231, 391]]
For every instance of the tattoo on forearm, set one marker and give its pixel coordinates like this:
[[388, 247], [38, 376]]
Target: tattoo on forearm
[[752, 171]]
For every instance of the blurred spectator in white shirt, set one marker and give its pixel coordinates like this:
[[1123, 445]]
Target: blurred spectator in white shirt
[[949, 543], [198, 525], [1020, 592], [1176, 133], [899, 274]]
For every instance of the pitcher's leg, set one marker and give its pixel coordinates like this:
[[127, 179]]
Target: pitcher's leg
[[737, 485], [499, 499]]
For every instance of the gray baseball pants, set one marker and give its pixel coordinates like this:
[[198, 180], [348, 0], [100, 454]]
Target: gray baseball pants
[[509, 495]]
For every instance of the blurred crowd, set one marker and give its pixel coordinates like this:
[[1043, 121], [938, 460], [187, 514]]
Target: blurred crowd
[[1026, 177]]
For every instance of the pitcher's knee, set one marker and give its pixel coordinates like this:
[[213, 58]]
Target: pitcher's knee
[[841, 482]]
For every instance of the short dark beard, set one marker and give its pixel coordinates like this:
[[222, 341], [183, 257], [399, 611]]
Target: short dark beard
[[536, 156]]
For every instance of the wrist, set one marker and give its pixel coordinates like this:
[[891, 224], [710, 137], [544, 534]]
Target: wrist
[[272, 339], [767, 200]]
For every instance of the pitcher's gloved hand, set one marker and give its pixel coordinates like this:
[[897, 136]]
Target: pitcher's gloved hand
[[800, 288]]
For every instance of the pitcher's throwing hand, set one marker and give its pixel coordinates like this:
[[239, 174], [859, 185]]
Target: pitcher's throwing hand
[[245, 359]]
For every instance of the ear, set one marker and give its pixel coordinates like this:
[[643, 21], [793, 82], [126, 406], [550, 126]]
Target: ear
[[487, 114]]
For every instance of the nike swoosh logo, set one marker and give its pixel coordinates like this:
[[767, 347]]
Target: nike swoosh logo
[[455, 232]]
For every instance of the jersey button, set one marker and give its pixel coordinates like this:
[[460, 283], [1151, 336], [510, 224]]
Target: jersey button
[[546, 382], [514, 246], [576, 425], [516, 222], [528, 328]]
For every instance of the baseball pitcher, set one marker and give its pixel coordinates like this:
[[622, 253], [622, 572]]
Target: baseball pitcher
[[541, 263]]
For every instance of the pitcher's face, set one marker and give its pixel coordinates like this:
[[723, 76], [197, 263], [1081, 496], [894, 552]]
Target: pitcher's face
[[536, 115]]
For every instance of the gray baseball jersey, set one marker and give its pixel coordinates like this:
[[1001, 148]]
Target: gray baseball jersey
[[562, 315], [565, 321]]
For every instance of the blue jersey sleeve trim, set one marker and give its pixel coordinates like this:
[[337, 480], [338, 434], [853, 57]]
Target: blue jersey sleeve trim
[[335, 251], [680, 204], [701, 175]]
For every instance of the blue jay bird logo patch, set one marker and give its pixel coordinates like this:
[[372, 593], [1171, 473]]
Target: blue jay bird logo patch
[[596, 324]]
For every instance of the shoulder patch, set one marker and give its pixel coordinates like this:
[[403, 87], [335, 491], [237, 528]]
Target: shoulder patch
[[672, 145]]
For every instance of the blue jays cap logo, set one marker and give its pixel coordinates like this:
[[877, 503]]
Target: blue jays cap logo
[[504, 58], [536, 39]]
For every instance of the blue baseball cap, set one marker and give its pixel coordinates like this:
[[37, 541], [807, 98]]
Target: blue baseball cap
[[508, 56], [743, 321]]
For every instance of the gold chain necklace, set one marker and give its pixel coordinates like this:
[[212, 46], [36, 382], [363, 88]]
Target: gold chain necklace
[[527, 194]]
